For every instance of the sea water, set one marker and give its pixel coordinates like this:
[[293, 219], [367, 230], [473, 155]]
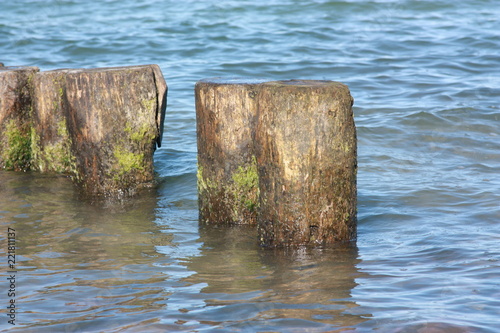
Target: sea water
[[425, 77]]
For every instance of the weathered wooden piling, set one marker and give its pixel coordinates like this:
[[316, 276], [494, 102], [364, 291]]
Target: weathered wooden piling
[[227, 172], [15, 117], [294, 142], [306, 156], [100, 126]]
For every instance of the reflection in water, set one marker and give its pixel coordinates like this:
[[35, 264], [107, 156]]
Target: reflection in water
[[259, 288], [79, 264], [138, 266], [434, 328], [87, 268]]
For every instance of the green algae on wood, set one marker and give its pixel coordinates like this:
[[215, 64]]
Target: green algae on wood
[[127, 161], [204, 184], [16, 154], [56, 155], [15, 117], [234, 201], [144, 132], [245, 188]]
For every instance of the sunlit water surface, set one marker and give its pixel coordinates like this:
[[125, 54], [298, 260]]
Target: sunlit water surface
[[425, 76]]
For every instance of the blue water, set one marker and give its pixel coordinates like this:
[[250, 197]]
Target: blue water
[[425, 76]]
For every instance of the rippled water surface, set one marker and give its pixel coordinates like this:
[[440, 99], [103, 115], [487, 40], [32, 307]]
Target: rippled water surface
[[425, 76]]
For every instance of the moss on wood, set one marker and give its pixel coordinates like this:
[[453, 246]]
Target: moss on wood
[[142, 135], [17, 154], [55, 156], [245, 187], [127, 161], [239, 195]]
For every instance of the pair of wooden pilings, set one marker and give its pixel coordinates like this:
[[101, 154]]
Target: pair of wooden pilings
[[278, 154], [99, 126]]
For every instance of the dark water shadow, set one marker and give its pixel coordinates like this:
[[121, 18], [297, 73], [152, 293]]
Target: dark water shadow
[[251, 288]]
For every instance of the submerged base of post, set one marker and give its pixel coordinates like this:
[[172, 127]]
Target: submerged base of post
[[294, 142]]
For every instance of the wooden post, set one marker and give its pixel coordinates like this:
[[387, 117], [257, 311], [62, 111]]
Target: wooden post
[[15, 117], [280, 153], [227, 172], [306, 156], [100, 125]]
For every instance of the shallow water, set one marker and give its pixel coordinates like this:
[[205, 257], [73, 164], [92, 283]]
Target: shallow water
[[425, 76]]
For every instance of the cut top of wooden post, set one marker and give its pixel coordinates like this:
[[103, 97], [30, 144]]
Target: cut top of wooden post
[[230, 81]]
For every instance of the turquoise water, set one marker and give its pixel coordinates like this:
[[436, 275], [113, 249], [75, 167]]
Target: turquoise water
[[425, 76]]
